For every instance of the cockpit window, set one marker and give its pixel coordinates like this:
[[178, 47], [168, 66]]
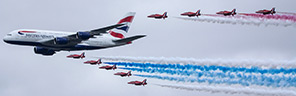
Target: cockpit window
[[9, 34]]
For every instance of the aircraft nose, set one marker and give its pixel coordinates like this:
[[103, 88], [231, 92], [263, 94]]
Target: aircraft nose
[[6, 39]]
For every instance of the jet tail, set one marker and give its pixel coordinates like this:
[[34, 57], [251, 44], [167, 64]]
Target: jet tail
[[198, 13], [165, 15], [128, 39], [121, 31], [273, 11], [233, 12], [82, 55], [144, 82]]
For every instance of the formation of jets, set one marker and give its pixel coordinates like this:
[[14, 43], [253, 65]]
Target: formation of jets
[[108, 67], [197, 13]]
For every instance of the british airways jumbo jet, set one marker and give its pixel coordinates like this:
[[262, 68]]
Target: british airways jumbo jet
[[49, 42]]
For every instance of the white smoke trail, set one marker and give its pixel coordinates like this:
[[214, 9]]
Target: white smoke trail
[[240, 20], [234, 90], [208, 62]]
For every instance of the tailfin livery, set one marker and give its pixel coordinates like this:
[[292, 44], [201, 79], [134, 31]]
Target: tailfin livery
[[198, 13], [82, 55], [120, 32], [233, 12], [144, 82], [165, 15], [273, 11]]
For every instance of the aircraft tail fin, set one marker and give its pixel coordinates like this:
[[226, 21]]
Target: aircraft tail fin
[[233, 12], [273, 10], [198, 13], [129, 73], [144, 82], [99, 61], [165, 15], [114, 67], [82, 55], [121, 31]]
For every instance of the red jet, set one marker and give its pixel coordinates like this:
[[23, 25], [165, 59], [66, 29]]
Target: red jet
[[158, 16], [108, 67], [227, 13], [191, 14], [122, 74], [93, 62], [76, 56], [138, 82], [264, 12]]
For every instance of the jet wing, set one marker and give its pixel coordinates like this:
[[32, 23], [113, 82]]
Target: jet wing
[[73, 40], [129, 39]]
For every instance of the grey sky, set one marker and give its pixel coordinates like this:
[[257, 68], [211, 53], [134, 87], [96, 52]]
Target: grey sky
[[24, 73]]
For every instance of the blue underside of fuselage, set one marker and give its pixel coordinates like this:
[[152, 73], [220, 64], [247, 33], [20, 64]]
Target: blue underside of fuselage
[[68, 48]]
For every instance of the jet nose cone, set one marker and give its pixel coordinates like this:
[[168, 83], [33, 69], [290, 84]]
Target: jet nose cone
[[5, 39]]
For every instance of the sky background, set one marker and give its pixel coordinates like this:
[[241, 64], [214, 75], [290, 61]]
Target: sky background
[[23, 73]]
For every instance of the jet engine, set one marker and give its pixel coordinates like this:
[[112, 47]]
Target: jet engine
[[43, 51], [61, 40], [83, 35]]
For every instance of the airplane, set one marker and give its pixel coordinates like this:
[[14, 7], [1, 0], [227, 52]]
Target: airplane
[[264, 12], [76, 56], [138, 82], [122, 74], [93, 62], [191, 14], [227, 13], [158, 16], [47, 43], [108, 67]]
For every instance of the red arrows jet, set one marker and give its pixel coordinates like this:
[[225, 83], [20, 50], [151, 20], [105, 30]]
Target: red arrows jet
[[93, 62], [76, 56], [227, 13], [122, 74], [158, 16], [264, 12], [138, 82], [191, 14], [108, 67]]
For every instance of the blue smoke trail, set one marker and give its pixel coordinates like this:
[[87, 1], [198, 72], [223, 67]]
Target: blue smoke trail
[[207, 68], [252, 79], [220, 81]]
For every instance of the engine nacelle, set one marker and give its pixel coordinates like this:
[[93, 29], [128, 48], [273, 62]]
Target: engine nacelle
[[43, 51], [61, 40], [83, 35]]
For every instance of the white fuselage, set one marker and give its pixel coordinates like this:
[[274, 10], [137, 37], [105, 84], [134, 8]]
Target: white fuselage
[[32, 37]]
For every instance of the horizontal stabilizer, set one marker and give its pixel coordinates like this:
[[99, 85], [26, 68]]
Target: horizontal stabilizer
[[129, 39]]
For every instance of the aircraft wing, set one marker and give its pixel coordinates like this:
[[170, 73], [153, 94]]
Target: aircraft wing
[[128, 39], [73, 40]]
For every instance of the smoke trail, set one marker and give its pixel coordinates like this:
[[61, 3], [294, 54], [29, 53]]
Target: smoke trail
[[206, 68], [287, 13], [208, 62], [229, 81], [273, 80], [275, 16], [242, 21], [234, 90]]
